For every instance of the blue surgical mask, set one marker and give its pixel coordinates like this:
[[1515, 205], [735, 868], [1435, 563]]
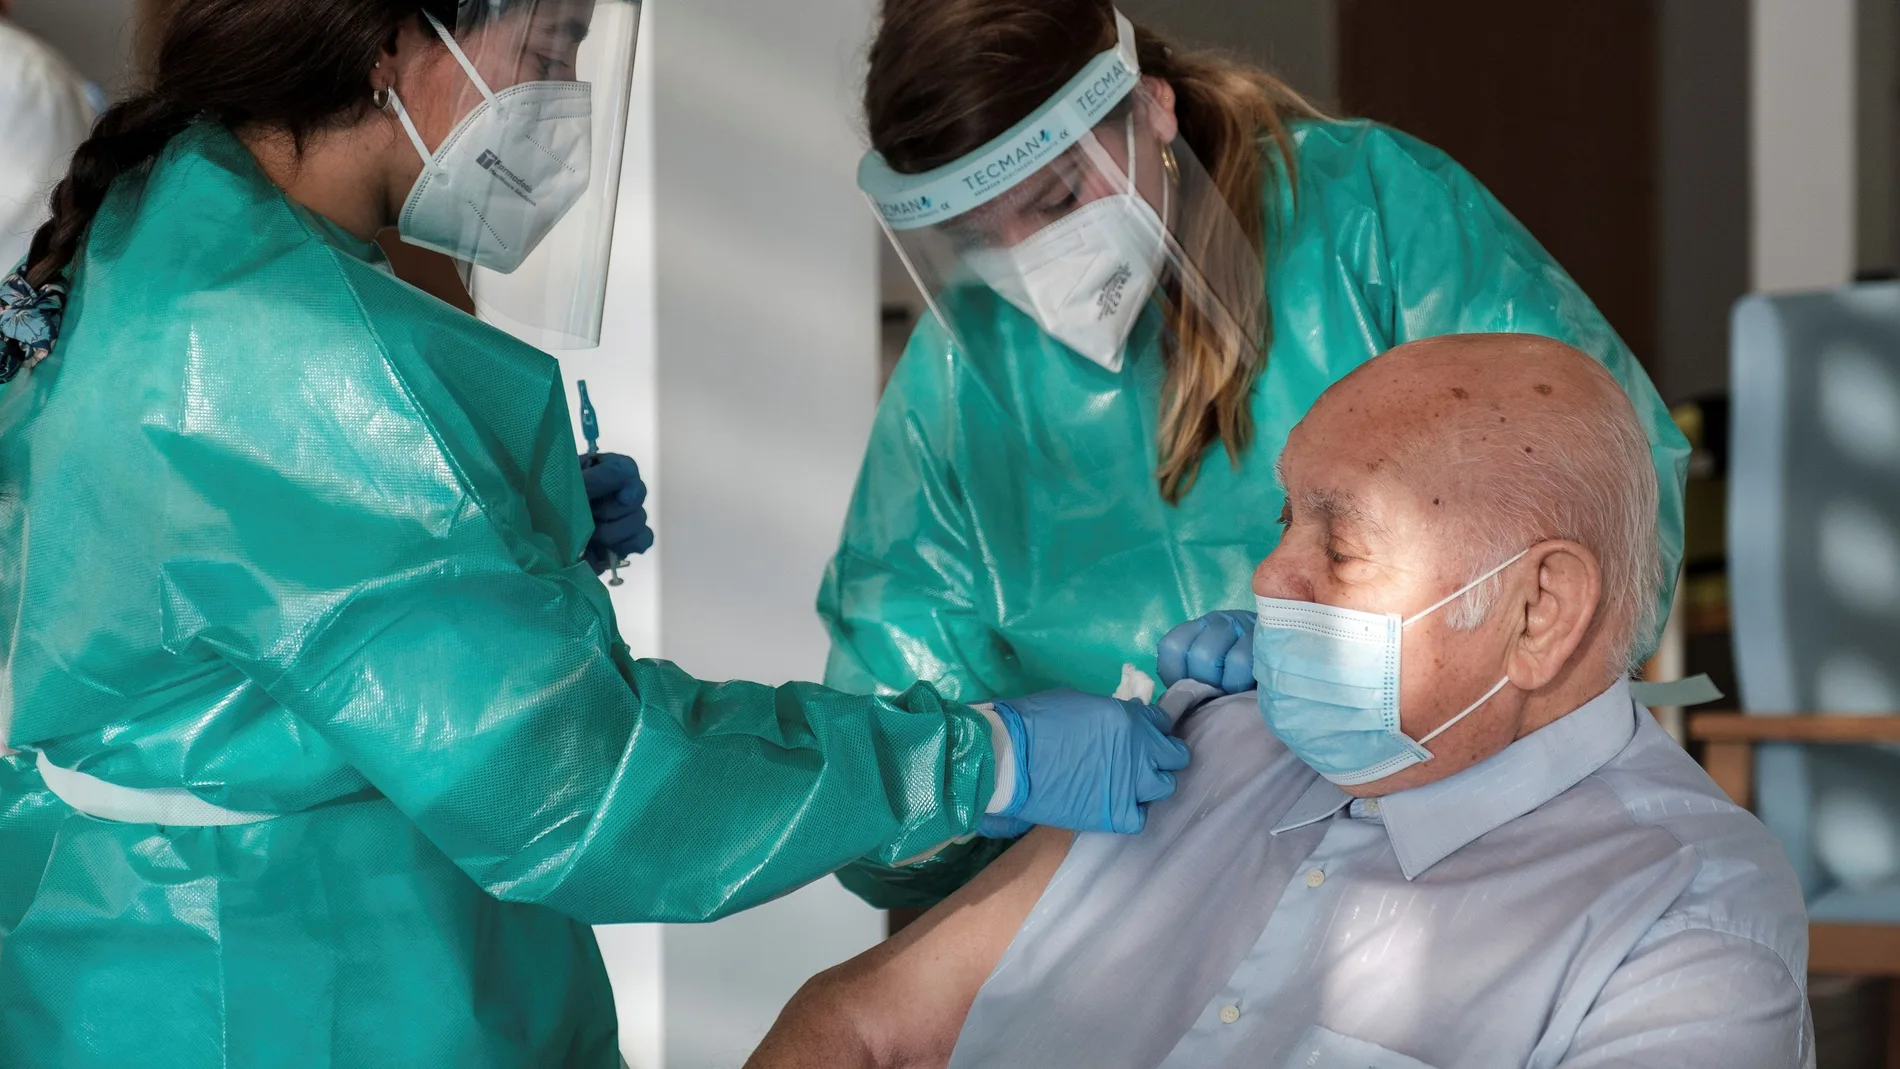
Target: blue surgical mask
[[1329, 685]]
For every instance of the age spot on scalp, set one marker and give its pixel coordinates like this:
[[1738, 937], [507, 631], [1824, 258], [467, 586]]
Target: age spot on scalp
[[1542, 388], [1460, 394]]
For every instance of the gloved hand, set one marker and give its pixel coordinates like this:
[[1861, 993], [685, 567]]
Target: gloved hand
[[1216, 649], [1086, 762], [1001, 827], [618, 499]]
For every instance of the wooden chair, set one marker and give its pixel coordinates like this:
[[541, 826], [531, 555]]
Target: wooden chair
[[1868, 950]]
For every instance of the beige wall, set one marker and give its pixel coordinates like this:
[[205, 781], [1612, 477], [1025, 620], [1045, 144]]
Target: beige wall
[[1294, 38]]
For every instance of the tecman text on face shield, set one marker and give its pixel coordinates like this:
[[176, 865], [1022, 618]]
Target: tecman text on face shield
[[1026, 154], [905, 210], [1092, 97]]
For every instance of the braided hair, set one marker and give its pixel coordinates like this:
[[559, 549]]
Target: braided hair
[[296, 67]]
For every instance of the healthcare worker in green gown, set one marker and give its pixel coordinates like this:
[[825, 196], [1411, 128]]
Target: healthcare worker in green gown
[[1143, 264], [325, 749]]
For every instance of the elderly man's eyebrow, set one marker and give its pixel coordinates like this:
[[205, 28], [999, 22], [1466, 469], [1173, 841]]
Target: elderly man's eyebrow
[[1339, 506]]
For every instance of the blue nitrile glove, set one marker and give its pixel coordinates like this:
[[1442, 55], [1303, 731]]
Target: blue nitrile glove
[[618, 499], [1001, 827], [1086, 762], [1216, 649]]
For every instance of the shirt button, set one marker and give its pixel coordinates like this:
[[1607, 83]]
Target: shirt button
[[1315, 877], [1229, 1014], [1372, 805]]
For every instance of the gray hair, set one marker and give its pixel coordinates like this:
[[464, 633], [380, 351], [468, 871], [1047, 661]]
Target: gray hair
[[1585, 476]]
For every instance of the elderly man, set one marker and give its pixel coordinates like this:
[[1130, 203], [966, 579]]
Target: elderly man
[[1479, 854]]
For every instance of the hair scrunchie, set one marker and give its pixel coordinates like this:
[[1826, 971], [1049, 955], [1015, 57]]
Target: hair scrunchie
[[29, 321]]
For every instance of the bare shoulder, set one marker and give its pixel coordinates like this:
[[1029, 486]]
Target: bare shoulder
[[902, 1003], [958, 943]]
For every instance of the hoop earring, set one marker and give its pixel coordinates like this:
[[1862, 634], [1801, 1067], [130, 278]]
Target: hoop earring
[[1170, 164], [379, 98]]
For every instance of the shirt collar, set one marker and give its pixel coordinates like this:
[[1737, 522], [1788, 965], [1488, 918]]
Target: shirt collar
[[1430, 823], [1321, 800]]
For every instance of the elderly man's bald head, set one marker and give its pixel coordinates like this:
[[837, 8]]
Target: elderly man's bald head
[[1448, 460], [1518, 439]]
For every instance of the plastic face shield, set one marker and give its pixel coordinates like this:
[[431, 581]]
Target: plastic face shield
[[556, 298], [1090, 204]]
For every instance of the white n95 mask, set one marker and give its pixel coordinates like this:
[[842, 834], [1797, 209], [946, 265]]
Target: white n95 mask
[[1329, 685], [1086, 277], [506, 173]]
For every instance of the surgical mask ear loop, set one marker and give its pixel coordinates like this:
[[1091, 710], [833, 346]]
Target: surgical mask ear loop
[[1472, 708], [1442, 602], [1462, 591]]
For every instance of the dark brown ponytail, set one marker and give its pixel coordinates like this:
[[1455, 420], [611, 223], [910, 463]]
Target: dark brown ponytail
[[293, 67], [947, 76], [126, 136]]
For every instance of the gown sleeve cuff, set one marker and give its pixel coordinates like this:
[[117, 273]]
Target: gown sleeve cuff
[[1005, 751]]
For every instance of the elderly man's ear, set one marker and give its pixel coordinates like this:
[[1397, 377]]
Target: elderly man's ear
[[1558, 612]]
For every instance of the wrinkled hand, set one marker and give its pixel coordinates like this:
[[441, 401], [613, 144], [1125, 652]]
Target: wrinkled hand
[[618, 499], [1216, 649], [1086, 762]]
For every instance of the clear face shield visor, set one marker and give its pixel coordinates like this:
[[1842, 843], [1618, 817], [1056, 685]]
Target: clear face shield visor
[[522, 192], [1083, 217]]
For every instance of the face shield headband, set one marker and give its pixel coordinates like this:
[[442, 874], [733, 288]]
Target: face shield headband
[[914, 201]]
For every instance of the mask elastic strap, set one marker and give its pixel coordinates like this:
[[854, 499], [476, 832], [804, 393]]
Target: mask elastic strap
[[1133, 189], [460, 57], [1460, 592], [409, 127], [1488, 695]]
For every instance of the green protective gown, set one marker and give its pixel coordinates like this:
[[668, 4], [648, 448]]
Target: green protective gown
[[1007, 534], [277, 528]]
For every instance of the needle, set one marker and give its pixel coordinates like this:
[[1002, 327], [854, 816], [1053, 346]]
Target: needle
[[590, 429]]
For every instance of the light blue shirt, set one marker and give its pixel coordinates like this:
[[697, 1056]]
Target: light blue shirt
[[1587, 897]]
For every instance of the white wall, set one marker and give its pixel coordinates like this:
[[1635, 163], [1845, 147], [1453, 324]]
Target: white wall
[[1802, 129], [96, 35], [622, 377], [767, 335]]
